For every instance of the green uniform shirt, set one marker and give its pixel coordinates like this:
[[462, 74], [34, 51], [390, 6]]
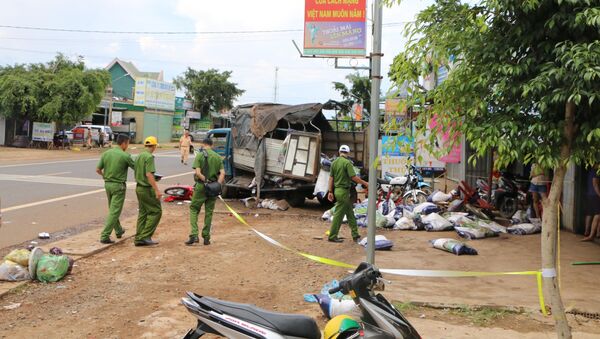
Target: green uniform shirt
[[341, 171], [144, 164], [215, 164], [114, 164]]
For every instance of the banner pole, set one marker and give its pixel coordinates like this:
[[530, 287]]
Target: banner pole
[[374, 128]]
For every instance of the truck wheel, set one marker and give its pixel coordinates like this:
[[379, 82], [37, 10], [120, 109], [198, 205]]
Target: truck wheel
[[295, 199]]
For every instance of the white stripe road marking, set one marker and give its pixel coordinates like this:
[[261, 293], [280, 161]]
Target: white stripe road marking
[[55, 174], [159, 154], [43, 179], [48, 201]]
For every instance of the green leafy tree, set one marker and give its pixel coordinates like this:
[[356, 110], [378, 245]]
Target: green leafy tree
[[18, 92], [359, 91], [525, 81], [60, 91], [211, 90]]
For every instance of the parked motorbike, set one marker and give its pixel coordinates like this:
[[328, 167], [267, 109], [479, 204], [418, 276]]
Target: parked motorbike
[[415, 181], [508, 194], [409, 189], [380, 319]]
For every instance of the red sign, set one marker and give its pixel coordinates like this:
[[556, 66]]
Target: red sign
[[335, 11]]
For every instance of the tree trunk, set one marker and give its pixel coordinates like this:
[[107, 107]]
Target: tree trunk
[[550, 229]]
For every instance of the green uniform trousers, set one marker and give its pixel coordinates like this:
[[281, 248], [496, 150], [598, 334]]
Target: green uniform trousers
[[343, 207], [150, 212], [115, 191], [199, 199]]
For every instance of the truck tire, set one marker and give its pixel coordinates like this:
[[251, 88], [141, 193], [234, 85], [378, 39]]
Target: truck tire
[[295, 199]]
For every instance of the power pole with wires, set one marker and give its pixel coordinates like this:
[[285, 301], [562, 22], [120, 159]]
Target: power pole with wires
[[276, 85]]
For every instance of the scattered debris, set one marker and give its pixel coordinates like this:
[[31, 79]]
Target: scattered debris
[[44, 235], [12, 306]]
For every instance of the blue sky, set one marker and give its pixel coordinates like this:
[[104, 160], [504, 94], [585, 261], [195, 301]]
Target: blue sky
[[252, 58]]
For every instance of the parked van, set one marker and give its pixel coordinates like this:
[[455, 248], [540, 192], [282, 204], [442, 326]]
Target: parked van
[[80, 132]]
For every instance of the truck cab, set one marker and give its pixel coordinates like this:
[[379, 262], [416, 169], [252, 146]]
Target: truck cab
[[222, 144]]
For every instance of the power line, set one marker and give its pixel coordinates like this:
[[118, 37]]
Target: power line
[[67, 30]]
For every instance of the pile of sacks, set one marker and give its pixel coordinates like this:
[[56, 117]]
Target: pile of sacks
[[34, 264]]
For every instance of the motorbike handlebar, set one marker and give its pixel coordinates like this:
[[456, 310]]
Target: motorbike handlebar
[[335, 290]]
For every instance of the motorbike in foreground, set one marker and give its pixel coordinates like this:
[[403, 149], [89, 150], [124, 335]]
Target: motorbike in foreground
[[233, 320]]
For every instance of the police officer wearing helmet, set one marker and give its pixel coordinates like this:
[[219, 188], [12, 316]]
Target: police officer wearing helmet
[[150, 210], [113, 166], [208, 167], [341, 176]]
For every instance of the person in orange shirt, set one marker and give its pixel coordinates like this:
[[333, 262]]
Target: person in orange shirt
[[184, 146]]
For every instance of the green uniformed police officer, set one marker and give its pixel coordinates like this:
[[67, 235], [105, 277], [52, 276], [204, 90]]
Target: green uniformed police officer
[[341, 176], [150, 210], [214, 171], [113, 166]]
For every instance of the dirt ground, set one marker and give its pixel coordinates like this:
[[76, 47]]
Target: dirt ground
[[130, 292]]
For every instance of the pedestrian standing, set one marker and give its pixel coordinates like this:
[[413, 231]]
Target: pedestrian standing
[[208, 167], [89, 138], [592, 205], [113, 166], [150, 210], [538, 187], [341, 176], [101, 139], [185, 142]]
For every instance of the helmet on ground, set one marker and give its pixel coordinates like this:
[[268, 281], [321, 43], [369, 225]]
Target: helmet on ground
[[150, 141], [340, 327], [345, 149]]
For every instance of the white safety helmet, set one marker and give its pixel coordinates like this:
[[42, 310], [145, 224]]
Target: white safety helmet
[[345, 149]]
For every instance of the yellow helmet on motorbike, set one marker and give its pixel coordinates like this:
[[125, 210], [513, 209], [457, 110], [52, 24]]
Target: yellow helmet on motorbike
[[341, 327]]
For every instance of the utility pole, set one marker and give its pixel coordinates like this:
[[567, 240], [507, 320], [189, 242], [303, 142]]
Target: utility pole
[[276, 85], [374, 127]]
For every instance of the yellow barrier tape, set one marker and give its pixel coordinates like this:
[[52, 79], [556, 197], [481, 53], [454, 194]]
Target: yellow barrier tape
[[401, 272]]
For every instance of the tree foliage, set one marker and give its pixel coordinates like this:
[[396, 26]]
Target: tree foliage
[[516, 65], [524, 81], [359, 90], [61, 90], [211, 90]]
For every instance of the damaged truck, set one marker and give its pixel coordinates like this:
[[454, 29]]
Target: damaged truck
[[283, 151]]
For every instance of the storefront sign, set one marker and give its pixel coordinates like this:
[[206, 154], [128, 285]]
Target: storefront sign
[[194, 115], [154, 94], [335, 27], [42, 131]]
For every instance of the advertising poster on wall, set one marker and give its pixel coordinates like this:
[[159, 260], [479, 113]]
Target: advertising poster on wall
[[335, 28]]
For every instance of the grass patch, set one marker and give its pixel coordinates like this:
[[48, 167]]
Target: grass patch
[[405, 307], [481, 316]]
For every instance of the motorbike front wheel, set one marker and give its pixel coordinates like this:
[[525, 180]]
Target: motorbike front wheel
[[412, 198]]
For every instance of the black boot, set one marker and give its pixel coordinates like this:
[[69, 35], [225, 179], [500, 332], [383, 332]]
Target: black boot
[[206, 241], [192, 240]]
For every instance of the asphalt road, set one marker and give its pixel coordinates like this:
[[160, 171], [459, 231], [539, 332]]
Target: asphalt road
[[54, 196]]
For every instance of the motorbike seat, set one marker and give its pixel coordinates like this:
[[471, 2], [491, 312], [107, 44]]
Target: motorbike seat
[[383, 181], [292, 325]]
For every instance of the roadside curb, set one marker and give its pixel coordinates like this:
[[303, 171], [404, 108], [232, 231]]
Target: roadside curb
[[76, 257]]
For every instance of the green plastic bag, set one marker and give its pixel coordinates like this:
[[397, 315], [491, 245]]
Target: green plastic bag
[[52, 268]]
